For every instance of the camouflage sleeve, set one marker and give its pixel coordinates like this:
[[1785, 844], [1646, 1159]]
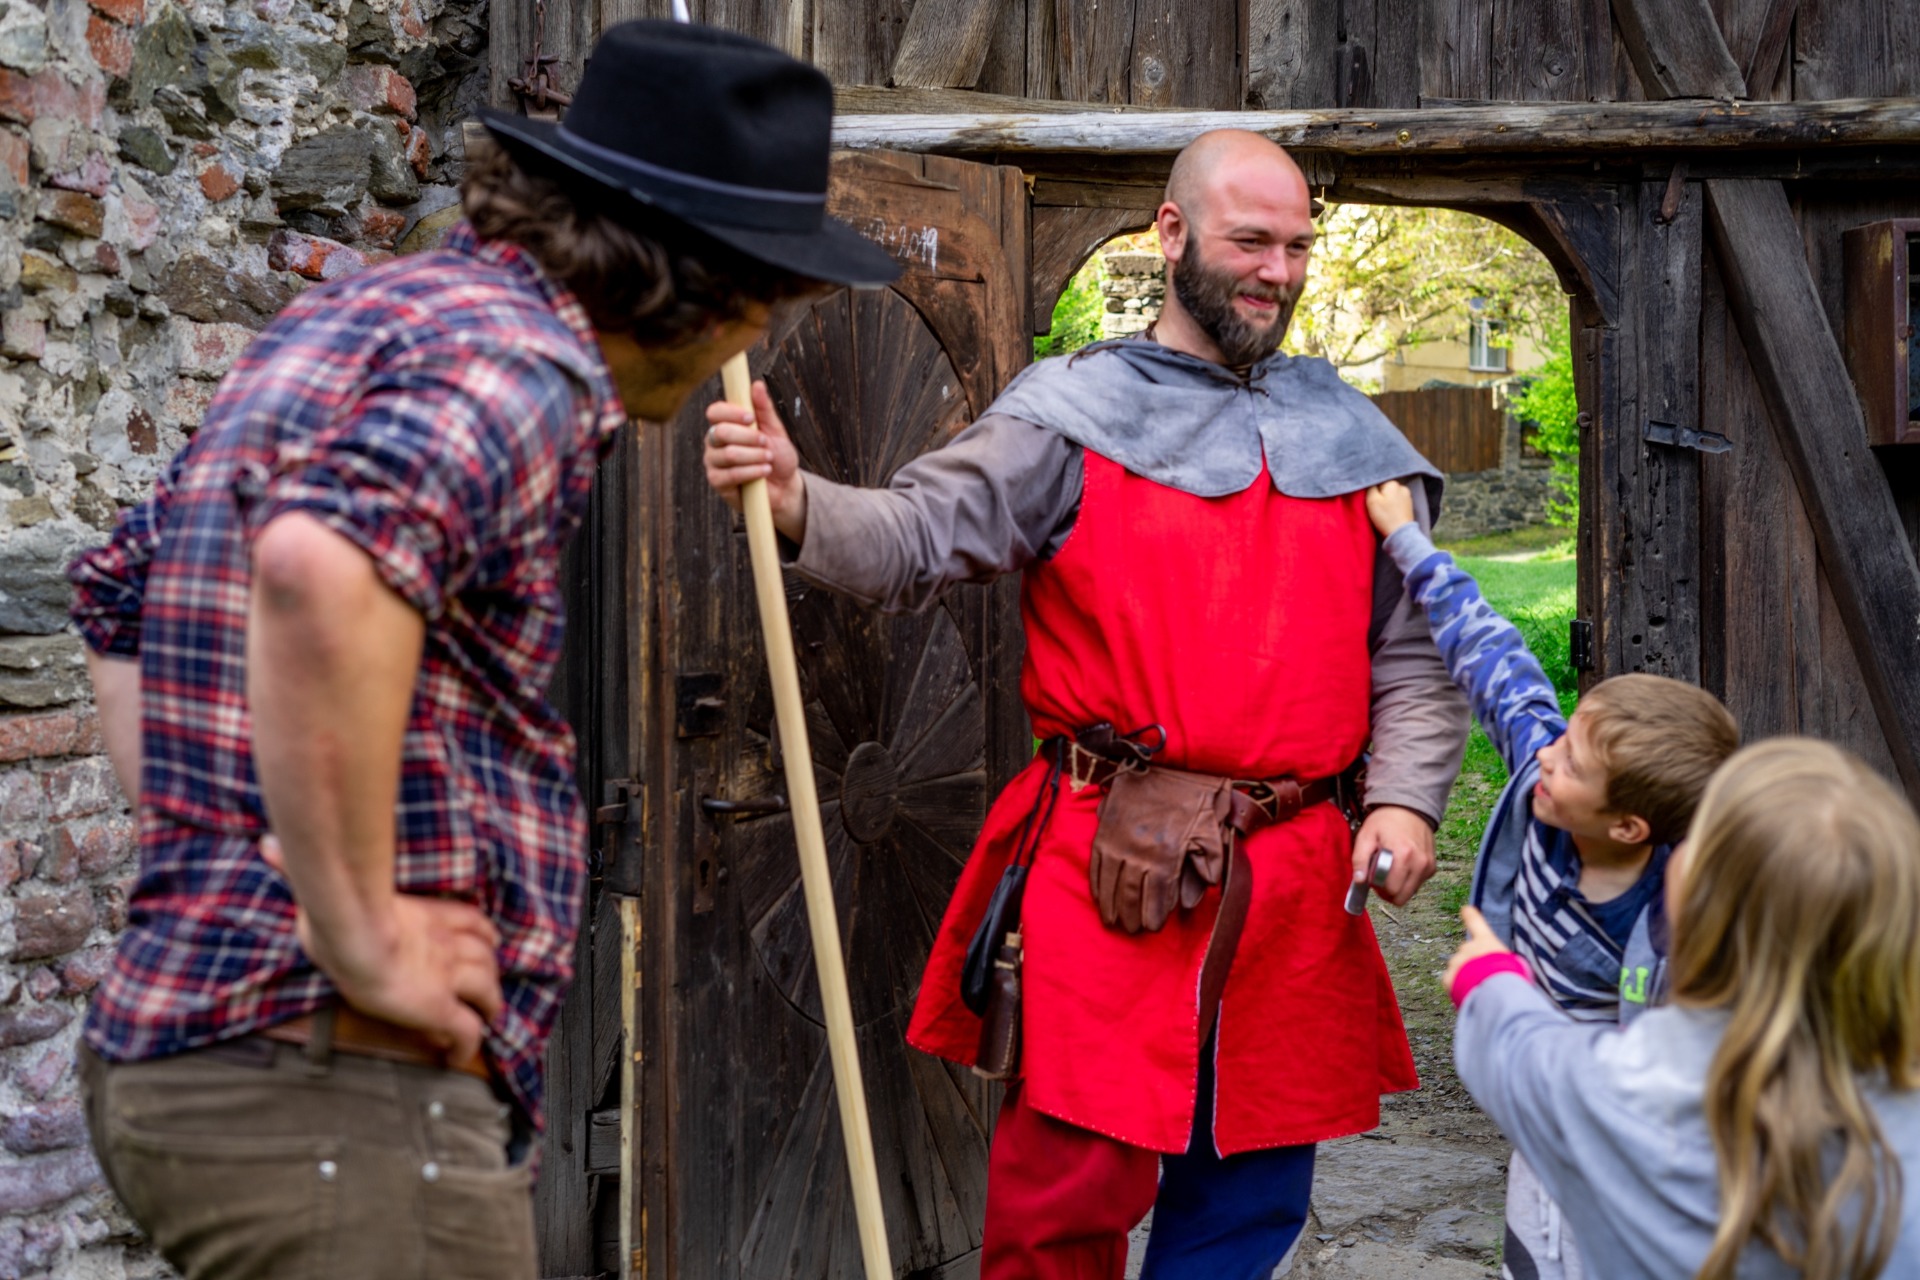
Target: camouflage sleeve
[[1485, 654]]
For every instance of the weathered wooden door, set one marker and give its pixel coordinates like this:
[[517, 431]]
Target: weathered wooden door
[[915, 721]]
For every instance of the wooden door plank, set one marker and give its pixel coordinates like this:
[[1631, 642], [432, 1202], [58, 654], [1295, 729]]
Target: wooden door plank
[[1842, 47], [945, 43], [1677, 49], [1188, 54], [1282, 70], [1094, 47], [1005, 68], [1537, 51], [1456, 49], [1811, 402], [1655, 624]]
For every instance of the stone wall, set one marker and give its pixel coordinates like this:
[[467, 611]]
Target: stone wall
[[1513, 495], [1135, 286], [170, 175]]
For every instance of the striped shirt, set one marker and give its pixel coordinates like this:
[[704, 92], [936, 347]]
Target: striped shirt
[[1555, 928]]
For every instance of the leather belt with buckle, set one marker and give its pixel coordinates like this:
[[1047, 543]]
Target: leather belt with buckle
[[363, 1034]]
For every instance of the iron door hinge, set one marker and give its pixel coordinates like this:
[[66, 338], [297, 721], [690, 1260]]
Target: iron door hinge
[[1580, 644]]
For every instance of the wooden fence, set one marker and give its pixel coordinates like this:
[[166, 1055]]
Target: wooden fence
[[1457, 429]]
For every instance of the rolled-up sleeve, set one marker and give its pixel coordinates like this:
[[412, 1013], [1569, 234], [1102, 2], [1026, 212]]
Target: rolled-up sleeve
[[110, 582], [1001, 494], [449, 456], [1419, 715]]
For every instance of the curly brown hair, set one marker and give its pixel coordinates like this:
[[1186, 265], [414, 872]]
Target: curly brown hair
[[634, 270]]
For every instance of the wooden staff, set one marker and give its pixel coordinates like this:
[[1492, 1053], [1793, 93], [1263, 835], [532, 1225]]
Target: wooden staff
[[815, 876]]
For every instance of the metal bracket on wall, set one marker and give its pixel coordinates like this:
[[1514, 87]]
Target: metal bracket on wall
[[1580, 644], [1679, 437]]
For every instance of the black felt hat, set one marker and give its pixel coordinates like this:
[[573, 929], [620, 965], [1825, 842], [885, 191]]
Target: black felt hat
[[723, 132]]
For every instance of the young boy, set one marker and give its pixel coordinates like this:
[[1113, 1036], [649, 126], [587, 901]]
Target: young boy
[[1571, 870]]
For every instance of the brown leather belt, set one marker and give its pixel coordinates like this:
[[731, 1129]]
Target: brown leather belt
[[1257, 802], [344, 1029]]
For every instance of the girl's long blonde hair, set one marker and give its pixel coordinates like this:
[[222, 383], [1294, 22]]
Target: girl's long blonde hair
[[1797, 910]]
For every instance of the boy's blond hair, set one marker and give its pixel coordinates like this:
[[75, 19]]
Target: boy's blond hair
[[1658, 740]]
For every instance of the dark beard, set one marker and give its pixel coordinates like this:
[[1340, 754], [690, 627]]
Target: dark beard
[[1208, 297]]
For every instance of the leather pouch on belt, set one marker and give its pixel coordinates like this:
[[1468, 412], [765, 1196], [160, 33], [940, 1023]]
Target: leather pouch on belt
[[1161, 842]]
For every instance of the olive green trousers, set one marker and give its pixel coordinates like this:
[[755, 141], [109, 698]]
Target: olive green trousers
[[252, 1159]]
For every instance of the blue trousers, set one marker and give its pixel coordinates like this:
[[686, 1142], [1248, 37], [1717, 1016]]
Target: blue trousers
[[1226, 1219]]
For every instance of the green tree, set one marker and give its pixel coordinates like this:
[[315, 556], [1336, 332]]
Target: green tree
[[1383, 278], [1076, 316], [1548, 401]]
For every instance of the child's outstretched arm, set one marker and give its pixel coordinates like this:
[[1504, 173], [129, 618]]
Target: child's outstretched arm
[[1486, 655]]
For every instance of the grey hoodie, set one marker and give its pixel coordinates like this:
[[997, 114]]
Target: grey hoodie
[[1611, 1121]]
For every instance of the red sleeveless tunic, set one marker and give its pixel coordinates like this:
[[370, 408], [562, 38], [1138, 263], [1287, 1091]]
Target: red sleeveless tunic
[[1240, 624]]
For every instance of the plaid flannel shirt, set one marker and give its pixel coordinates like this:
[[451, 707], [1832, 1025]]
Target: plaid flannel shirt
[[445, 412]]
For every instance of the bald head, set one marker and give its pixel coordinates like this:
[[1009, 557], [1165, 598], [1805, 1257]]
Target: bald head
[[1226, 161]]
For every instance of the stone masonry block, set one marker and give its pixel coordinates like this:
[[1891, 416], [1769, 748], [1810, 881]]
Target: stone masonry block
[[51, 1126], [23, 797], [22, 336], [207, 350], [25, 98], [83, 971], [103, 843], [14, 154], [217, 182], [34, 1023], [81, 788], [73, 211], [51, 924], [111, 46], [48, 735], [130, 12], [43, 671], [58, 862], [315, 257], [43, 984], [372, 86], [38, 1184], [93, 175], [14, 854], [42, 274]]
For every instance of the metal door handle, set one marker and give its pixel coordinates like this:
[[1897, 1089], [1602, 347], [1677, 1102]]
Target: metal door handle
[[765, 804]]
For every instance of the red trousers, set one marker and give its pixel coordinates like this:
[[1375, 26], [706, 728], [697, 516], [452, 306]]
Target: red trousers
[[1060, 1199]]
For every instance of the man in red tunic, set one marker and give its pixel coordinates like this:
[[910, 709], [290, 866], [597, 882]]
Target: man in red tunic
[[1187, 512]]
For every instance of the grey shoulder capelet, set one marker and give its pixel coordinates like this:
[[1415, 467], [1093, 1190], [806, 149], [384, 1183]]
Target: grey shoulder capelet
[[1195, 426]]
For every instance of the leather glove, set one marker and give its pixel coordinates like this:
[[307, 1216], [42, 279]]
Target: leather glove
[[1161, 842]]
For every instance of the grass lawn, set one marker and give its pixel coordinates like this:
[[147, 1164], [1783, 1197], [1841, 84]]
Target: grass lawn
[[1533, 586]]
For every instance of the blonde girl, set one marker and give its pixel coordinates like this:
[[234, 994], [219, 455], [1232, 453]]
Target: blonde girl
[[1764, 1124]]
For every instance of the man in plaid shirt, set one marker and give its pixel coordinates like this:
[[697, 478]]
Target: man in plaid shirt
[[321, 648]]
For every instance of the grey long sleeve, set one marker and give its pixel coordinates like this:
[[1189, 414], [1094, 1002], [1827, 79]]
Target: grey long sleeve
[[1005, 492], [1419, 715], [1001, 494]]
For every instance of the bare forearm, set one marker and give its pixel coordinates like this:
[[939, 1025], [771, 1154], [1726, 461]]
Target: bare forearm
[[332, 656], [116, 695]]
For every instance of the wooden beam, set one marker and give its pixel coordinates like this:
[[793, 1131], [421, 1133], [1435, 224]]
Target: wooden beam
[[945, 43], [1619, 127], [1677, 49], [882, 100], [1810, 400]]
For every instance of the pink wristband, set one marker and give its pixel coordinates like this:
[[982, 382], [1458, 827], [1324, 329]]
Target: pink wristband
[[1480, 968]]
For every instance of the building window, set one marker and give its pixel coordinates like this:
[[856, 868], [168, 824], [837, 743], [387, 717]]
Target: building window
[[1486, 340]]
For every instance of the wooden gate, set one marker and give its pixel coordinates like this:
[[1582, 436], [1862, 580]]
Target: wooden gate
[[738, 1169]]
